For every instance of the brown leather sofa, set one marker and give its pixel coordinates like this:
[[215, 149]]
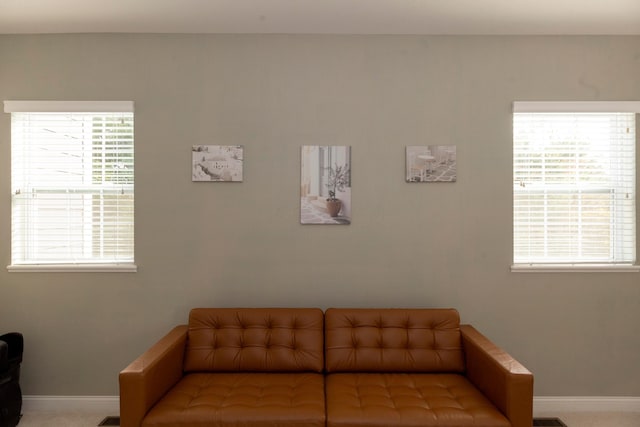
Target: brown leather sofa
[[304, 367]]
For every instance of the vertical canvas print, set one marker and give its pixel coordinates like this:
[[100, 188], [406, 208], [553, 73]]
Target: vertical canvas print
[[217, 163], [431, 163], [325, 186]]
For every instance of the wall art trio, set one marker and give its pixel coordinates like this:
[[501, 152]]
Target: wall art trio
[[325, 174]]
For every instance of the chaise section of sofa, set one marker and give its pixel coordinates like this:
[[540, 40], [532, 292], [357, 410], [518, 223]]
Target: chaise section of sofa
[[419, 367], [231, 367]]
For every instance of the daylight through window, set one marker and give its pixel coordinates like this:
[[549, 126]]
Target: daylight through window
[[72, 182], [574, 183]]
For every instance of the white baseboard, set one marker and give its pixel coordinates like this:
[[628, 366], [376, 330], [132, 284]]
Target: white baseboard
[[542, 405], [554, 404], [108, 405]]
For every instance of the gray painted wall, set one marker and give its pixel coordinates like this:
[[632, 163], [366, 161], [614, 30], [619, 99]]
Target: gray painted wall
[[410, 245]]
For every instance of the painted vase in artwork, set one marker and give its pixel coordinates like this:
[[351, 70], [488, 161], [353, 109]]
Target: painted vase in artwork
[[333, 207]]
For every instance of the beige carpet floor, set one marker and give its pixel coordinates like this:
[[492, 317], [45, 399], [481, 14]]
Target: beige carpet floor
[[582, 419], [61, 419], [597, 419]]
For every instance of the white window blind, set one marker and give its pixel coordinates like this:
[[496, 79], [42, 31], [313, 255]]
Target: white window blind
[[72, 182], [574, 183]]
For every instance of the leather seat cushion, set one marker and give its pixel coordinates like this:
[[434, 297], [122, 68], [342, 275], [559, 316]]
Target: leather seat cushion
[[376, 399], [245, 399]]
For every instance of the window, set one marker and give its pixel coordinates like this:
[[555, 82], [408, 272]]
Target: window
[[72, 180], [574, 184]]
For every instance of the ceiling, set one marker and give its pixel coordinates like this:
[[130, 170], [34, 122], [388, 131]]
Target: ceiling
[[434, 17]]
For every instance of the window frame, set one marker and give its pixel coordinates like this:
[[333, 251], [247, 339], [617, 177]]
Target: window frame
[[72, 107], [575, 107]]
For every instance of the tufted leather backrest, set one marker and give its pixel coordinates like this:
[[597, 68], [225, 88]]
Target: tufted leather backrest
[[393, 340], [254, 339]]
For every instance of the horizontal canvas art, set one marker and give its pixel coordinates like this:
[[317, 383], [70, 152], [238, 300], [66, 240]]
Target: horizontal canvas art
[[431, 163], [217, 163]]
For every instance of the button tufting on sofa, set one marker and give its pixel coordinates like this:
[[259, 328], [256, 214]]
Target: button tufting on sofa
[[338, 368]]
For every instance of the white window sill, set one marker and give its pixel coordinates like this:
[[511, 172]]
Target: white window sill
[[575, 268], [73, 268]]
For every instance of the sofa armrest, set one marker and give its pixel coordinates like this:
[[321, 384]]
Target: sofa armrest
[[150, 376], [500, 377]]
